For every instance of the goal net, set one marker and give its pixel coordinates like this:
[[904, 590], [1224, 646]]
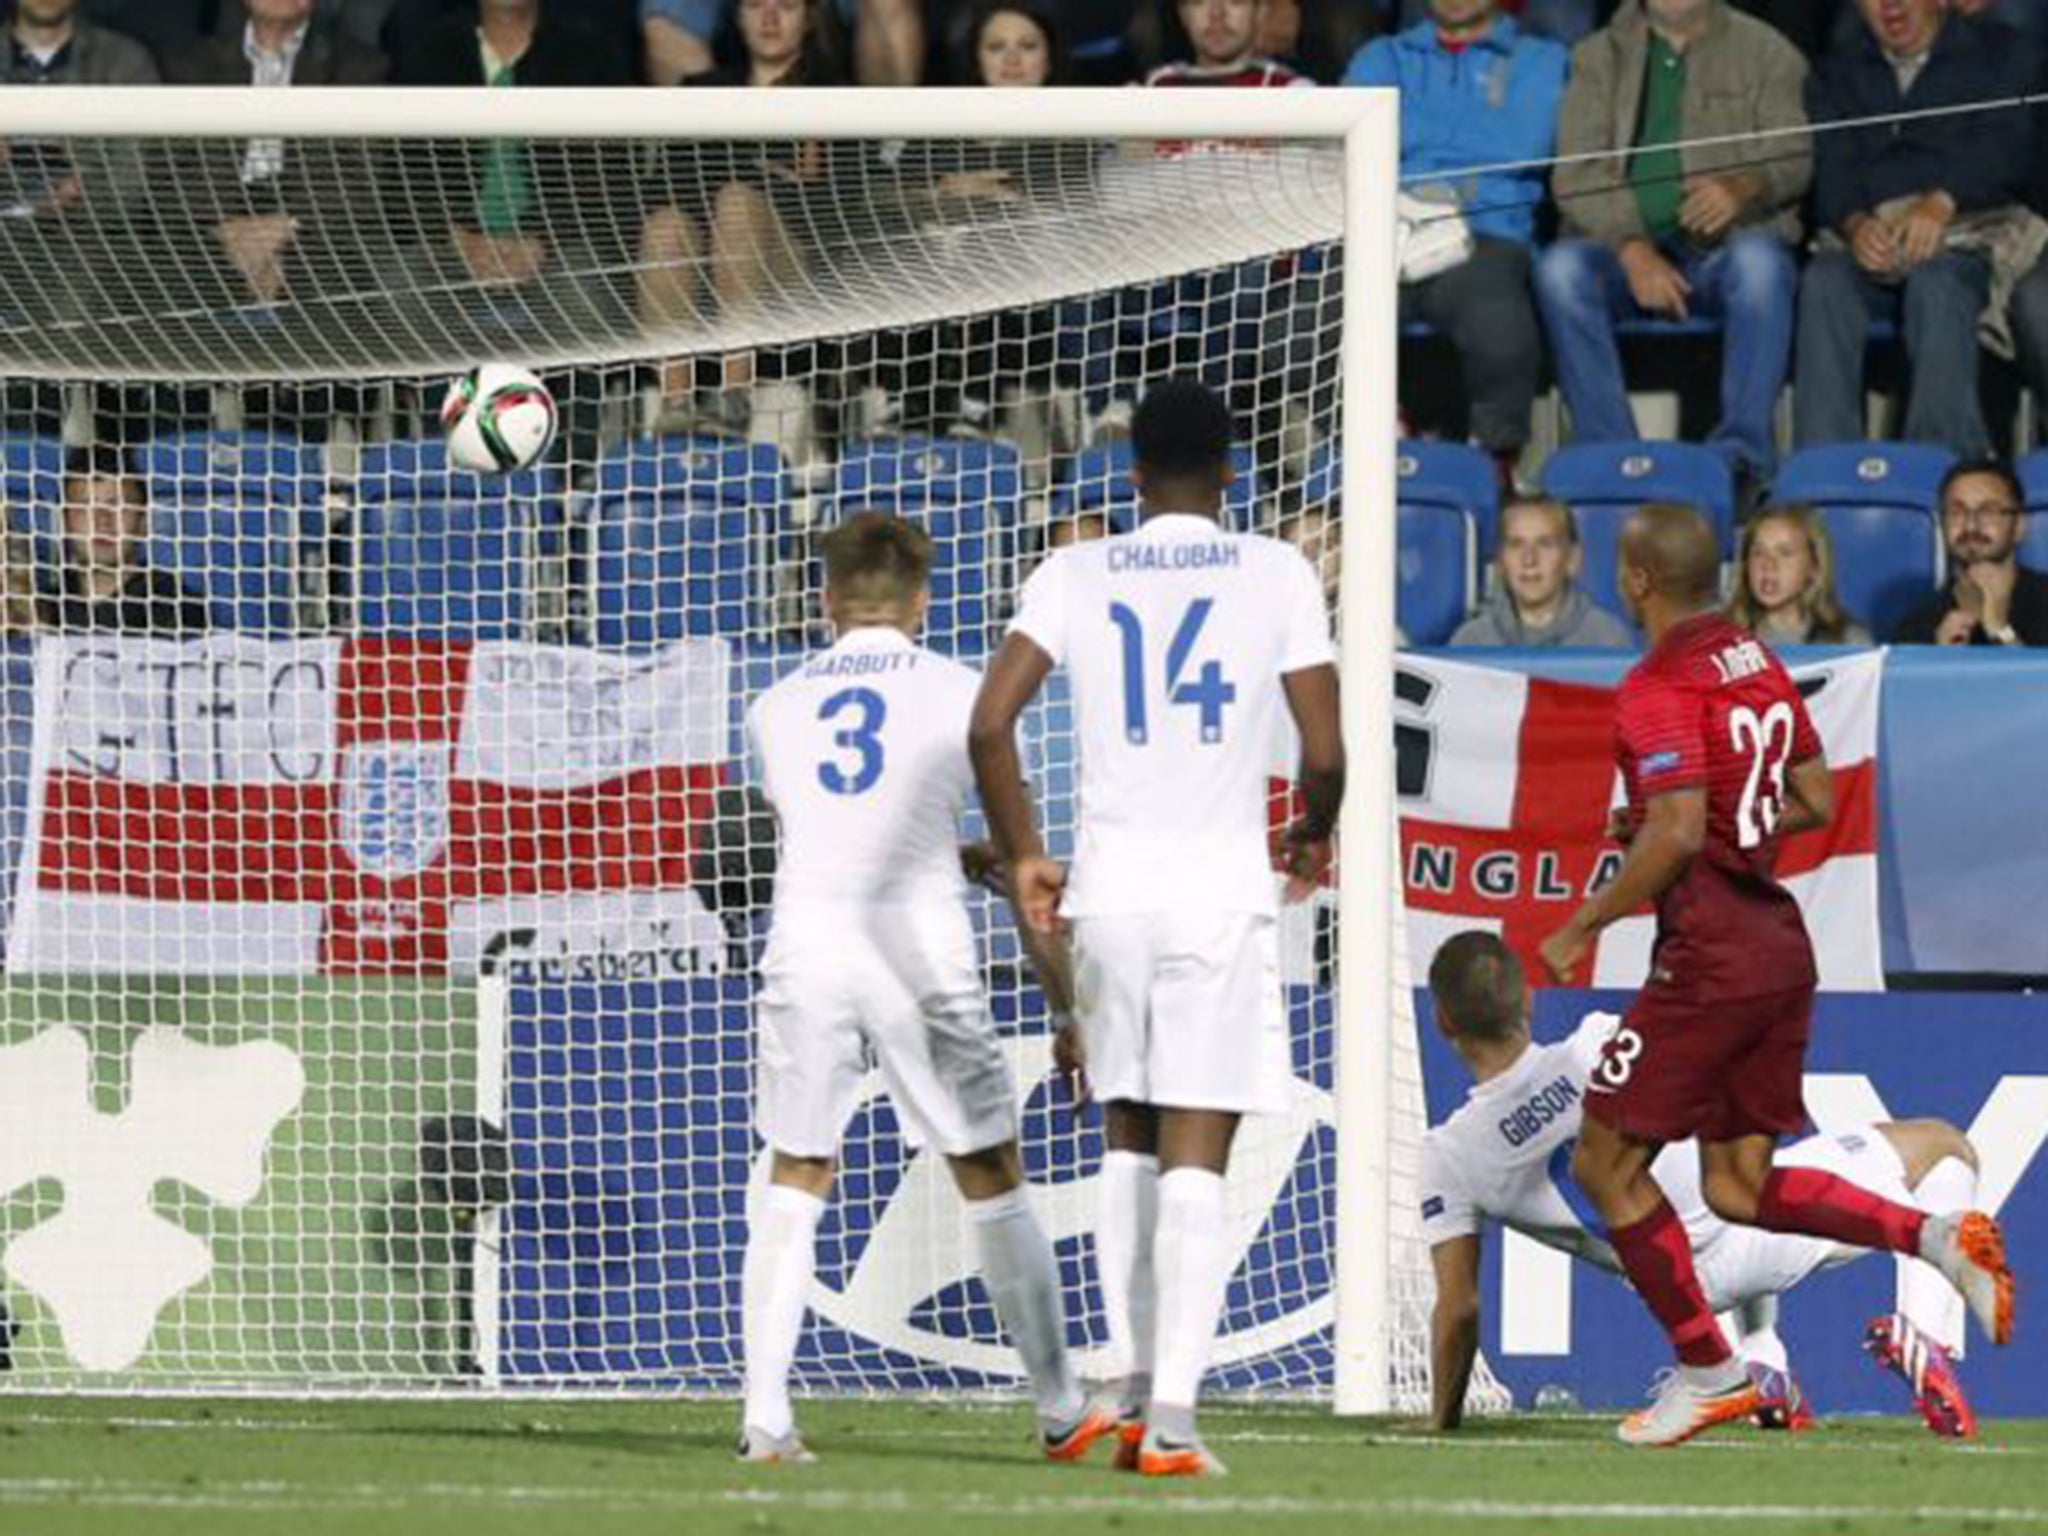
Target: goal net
[[387, 872]]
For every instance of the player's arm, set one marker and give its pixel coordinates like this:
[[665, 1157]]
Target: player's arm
[[1810, 797], [1011, 683], [1674, 830], [1312, 699], [1453, 1327]]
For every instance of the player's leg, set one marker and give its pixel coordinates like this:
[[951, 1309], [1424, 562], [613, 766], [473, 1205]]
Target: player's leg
[[1126, 1220], [782, 1235], [1193, 1257], [1762, 1099], [1021, 1275], [810, 1063], [1922, 1340], [1652, 1085]]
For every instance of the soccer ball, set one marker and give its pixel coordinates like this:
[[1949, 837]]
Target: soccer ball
[[498, 418]]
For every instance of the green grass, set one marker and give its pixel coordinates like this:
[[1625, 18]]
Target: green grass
[[890, 1469]]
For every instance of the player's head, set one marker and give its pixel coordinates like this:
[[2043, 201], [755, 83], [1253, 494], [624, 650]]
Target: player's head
[[876, 567], [1478, 988], [1982, 512], [1181, 435], [1671, 559]]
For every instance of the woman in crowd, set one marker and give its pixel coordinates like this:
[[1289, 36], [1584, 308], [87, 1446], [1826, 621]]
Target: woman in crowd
[[1785, 582]]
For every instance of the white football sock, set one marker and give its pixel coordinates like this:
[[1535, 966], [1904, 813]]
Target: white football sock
[[1124, 1228], [1757, 1341], [1925, 1297], [1193, 1259], [1023, 1279], [782, 1237]]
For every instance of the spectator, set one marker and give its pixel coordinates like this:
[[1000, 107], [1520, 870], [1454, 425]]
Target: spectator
[[1538, 601], [17, 583], [1917, 217], [1991, 599], [1222, 37], [511, 214], [1075, 528], [102, 586], [680, 38], [275, 200], [1474, 91], [1318, 534], [731, 218], [54, 196], [1562, 21], [1671, 232], [1785, 582]]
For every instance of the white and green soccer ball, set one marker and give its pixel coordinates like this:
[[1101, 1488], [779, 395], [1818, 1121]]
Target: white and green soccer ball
[[498, 418]]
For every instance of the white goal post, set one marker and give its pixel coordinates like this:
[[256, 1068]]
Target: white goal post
[[1252, 174]]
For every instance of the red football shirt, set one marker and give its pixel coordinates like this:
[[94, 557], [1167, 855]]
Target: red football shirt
[[1711, 708]]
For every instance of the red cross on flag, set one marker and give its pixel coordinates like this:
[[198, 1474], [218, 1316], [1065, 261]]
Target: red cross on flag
[[1505, 783], [235, 805]]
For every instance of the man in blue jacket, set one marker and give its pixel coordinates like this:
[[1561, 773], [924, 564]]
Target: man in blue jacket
[[1476, 90], [1911, 211]]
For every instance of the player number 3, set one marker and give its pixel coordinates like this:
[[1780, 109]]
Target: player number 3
[[861, 738], [1767, 738]]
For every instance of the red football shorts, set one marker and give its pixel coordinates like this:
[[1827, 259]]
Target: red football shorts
[[1720, 1070]]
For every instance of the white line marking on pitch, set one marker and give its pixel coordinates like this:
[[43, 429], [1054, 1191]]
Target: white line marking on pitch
[[274, 1495]]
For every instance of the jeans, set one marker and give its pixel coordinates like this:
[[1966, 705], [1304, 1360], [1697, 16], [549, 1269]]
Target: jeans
[[1483, 307], [2030, 331], [1748, 283], [1938, 305]]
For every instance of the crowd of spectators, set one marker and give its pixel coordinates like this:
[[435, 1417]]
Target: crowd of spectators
[[1688, 189]]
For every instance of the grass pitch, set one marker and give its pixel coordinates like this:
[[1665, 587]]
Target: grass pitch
[[895, 1469]]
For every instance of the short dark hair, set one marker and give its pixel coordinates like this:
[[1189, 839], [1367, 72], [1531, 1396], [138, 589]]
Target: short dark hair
[[102, 461], [1987, 464], [1478, 986], [876, 557], [1182, 427]]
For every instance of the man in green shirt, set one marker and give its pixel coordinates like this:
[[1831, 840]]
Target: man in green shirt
[[1654, 229]]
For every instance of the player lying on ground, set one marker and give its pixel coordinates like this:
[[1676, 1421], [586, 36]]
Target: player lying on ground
[[1719, 761], [1183, 643], [863, 753], [1505, 1155]]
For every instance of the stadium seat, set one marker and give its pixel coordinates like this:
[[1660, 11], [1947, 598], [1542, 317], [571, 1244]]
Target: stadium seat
[[1604, 482], [1447, 495], [441, 553], [1099, 480], [32, 480], [681, 525], [2033, 471], [1877, 500], [966, 493], [230, 515]]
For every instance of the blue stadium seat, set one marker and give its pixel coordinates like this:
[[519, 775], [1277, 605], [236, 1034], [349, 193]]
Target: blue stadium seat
[[1604, 482], [32, 480], [442, 553], [679, 526], [230, 513], [1433, 589], [2034, 537], [1447, 495], [1099, 480], [966, 493], [1878, 501]]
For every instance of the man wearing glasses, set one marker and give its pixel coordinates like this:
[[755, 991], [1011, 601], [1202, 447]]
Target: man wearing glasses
[[1991, 599]]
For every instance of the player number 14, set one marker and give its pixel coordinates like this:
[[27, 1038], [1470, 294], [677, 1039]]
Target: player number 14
[[1208, 692], [1767, 738]]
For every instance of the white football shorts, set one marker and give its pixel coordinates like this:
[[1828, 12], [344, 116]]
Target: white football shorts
[[844, 987], [1748, 1262], [1183, 1010]]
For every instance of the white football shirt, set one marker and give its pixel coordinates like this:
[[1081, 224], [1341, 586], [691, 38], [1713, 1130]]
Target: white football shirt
[[1505, 1155], [863, 753], [1175, 638]]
